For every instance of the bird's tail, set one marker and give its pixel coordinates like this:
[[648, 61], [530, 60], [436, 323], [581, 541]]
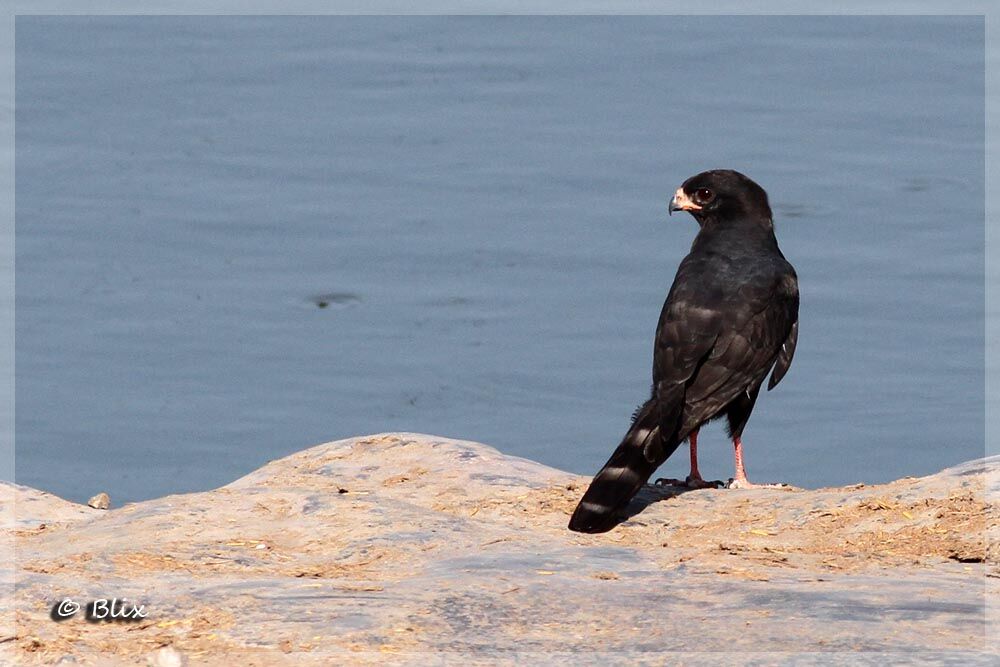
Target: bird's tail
[[640, 453]]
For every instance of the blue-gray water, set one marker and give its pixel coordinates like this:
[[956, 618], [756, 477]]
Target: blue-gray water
[[481, 202]]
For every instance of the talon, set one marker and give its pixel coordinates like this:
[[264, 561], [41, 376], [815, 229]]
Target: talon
[[690, 483], [699, 483]]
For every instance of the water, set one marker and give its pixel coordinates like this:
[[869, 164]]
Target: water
[[480, 204]]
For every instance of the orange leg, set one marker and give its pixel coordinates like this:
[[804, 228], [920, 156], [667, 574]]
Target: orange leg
[[693, 446], [741, 472], [694, 480], [740, 481]]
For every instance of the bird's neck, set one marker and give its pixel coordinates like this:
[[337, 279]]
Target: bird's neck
[[744, 231]]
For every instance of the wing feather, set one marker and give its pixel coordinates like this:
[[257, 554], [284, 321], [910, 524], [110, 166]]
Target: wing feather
[[718, 347]]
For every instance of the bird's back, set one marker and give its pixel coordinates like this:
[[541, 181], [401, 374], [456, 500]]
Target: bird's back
[[733, 301]]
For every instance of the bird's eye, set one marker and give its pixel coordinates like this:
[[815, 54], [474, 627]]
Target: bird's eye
[[703, 195]]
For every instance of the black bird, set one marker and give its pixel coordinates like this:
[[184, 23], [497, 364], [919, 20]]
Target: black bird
[[729, 318]]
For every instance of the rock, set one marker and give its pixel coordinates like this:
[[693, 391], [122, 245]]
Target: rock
[[101, 501], [449, 547]]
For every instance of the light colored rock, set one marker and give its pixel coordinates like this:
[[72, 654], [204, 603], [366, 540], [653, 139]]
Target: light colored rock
[[101, 501], [395, 547]]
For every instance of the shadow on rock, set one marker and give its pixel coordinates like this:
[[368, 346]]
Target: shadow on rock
[[648, 495]]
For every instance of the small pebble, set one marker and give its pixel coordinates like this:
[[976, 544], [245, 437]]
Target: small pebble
[[167, 656], [100, 502]]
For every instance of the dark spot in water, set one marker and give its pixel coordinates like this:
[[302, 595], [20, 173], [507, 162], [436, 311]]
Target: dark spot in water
[[449, 301], [792, 210], [916, 185], [335, 299]]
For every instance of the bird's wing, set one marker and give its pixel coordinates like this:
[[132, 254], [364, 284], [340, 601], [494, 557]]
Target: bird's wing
[[744, 334], [685, 338], [784, 357], [788, 292]]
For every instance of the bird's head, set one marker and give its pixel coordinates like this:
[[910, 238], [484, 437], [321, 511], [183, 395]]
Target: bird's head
[[721, 194]]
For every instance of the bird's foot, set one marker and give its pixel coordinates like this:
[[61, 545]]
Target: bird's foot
[[699, 483], [747, 484], [691, 483]]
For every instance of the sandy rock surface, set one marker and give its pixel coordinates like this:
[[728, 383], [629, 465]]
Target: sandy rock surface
[[406, 548]]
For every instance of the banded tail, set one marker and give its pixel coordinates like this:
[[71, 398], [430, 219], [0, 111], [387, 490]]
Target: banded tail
[[640, 453]]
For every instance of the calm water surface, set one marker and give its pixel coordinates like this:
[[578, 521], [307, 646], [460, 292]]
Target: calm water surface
[[480, 204]]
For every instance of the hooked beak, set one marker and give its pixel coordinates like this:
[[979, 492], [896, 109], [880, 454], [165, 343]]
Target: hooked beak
[[681, 202]]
